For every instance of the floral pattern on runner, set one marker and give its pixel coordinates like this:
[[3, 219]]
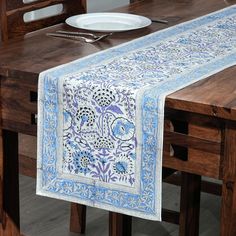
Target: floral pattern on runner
[[101, 117]]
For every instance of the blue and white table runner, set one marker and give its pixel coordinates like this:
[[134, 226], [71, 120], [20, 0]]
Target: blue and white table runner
[[100, 118]]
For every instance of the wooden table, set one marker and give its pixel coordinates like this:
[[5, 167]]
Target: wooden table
[[203, 115]]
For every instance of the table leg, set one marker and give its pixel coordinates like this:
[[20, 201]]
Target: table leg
[[2, 215], [78, 218], [189, 204], [10, 219], [228, 207], [119, 224]]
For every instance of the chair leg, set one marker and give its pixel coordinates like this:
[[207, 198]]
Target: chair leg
[[9, 206], [78, 218], [228, 201], [119, 224], [189, 204]]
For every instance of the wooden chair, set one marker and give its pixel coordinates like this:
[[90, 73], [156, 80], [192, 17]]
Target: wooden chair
[[13, 25], [13, 14]]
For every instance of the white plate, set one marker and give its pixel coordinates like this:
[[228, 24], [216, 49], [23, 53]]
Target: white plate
[[108, 22]]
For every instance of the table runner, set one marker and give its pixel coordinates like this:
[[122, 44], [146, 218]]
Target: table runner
[[100, 118]]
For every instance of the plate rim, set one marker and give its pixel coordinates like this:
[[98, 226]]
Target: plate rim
[[145, 19]]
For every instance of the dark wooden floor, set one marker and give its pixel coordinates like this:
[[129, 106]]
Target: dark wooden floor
[[48, 217]]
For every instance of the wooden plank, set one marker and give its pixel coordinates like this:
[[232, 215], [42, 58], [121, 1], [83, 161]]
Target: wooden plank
[[202, 139], [27, 166], [119, 224], [28, 146], [18, 107], [170, 216], [206, 186], [78, 218], [191, 167], [228, 209], [214, 96], [205, 131], [11, 225], [20, 127], [209, 132], [204, 158], [192, 142], [190, 205], [1, 179]]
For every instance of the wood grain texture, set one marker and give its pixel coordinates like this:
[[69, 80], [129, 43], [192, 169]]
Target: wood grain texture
[[28, 145], [214, 96], [199, 142], [119, 224], [193, 142], [27, 166], [190, 205], [27, 155], [206, 186], [228, 210], [210, 170], [78, 218], [17, 106], [2, 214]]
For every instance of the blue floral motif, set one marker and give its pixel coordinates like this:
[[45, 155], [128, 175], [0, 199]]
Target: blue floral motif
[[103, 143], [123, 129], [122, 165], [83, 161], [85, 116], [104, 97]]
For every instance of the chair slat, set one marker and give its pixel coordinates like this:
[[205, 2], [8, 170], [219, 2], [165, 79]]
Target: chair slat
[[19, 4]]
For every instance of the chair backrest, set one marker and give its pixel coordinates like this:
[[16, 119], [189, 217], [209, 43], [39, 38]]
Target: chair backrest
[[12, 18]]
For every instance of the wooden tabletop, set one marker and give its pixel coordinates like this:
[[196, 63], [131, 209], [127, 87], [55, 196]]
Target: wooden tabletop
[[216, 95]]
